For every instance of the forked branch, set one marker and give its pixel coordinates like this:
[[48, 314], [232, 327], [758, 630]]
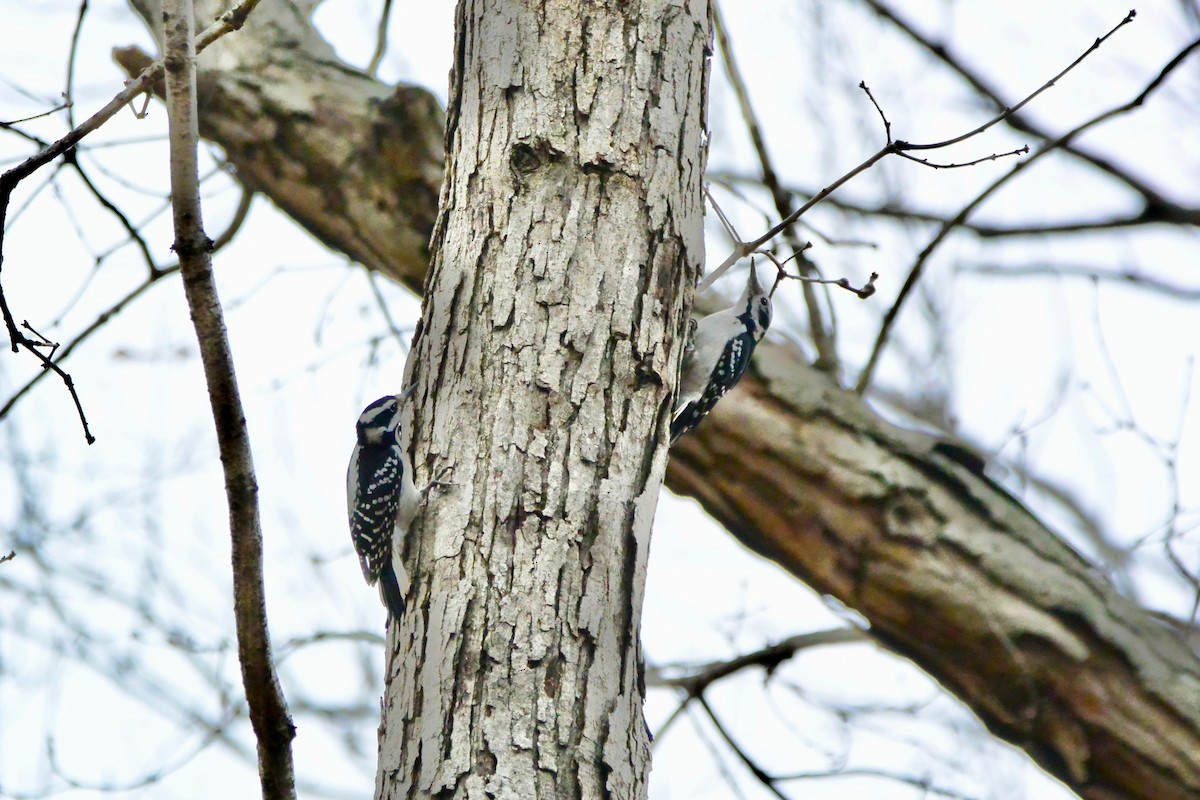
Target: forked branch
[[947, 227], [899, 147], [229, 21]]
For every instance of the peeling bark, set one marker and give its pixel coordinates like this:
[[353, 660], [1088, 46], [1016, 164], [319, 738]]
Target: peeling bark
[[949, 570]]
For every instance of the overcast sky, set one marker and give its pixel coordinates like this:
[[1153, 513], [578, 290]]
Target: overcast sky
[[1049, 370]]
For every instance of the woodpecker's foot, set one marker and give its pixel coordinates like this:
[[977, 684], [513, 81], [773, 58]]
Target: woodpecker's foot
[[437, 483]]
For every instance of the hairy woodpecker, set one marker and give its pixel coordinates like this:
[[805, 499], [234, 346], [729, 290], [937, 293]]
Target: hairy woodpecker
[[719, 353], [381, 500]]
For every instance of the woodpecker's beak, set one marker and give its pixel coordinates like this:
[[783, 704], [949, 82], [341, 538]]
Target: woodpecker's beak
[[755, 288]]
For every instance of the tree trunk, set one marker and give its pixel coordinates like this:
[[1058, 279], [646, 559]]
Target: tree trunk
[[949, 570], [570, 222]]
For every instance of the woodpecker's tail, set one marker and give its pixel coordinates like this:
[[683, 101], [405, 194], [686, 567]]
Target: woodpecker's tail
[[689, 418], [390, 591]]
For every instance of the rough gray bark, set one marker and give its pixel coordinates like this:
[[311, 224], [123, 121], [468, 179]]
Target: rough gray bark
[[545, 368], [947, 568]]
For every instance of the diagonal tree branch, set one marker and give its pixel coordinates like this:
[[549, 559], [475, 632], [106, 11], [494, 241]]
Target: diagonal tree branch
[[1169, 213], [268, 711]]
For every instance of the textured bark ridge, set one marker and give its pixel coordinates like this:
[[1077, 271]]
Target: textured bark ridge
[[571, 219], [948, 570]]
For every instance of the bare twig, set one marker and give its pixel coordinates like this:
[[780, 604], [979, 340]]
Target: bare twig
[[35, 345], [11, 123], [1126, 276], [863, 293], [385, 16], [269, 716], [229, 21], [892, 147], [11, 555], [156, 274], [821, 333], [69, 92], [924, 784], [1020, 151], [758, 772], [922, 258], [697, 679]]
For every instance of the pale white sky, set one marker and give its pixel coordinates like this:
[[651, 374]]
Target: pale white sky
[[1027, 373]]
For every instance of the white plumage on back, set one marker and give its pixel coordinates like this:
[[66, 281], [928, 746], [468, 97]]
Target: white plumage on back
[[721, 348]]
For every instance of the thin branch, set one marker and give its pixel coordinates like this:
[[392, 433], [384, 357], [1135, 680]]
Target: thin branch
[[11, 555], [821, 333], [1126, 276], [35, 346], [744, 249], [1017, 121], [863, 293], [718, 760], [10, 125], [1166, 212], [758, 772], [924, 784], [72, 157], [1020, 151], [69, 92], [1008, 112], [698, 678], [156, 274], [150, 778], [385, 16], [383, 310], [670, 720], [269, 716], [229, 21], [918, 266]]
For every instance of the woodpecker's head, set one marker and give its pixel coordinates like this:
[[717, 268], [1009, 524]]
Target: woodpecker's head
[[378, 422], [756, 306]]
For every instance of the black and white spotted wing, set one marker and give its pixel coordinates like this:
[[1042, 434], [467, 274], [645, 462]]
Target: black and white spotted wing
[[728, 371], [374, 481]]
